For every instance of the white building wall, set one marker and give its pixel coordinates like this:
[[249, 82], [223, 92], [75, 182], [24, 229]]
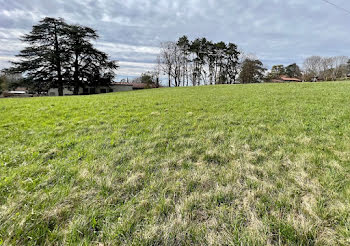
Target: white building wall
[[68, 91]]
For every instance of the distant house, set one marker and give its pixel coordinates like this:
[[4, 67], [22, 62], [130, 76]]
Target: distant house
[[89, 90], [18, 92], [142, 86], [284, 79]]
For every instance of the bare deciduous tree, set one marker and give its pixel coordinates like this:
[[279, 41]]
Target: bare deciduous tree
[[325, 68], [166, 59]]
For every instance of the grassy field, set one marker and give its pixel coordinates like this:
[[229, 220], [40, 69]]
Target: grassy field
[[261, 164]]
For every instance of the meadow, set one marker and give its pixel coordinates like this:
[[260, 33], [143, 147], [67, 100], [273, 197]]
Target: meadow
[[261, 164]]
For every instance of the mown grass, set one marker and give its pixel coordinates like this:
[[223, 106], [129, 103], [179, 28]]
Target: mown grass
[[219, 165]]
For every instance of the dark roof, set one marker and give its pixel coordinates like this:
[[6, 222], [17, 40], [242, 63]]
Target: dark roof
[[285, 78], [122, 83], [135, 85]]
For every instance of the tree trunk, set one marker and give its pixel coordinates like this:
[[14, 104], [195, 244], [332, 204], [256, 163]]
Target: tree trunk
[[169, 78], [183, 75], [58, 65], [187, 79], [76, 75]]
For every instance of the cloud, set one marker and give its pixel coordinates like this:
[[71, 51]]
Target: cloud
[[276, 31], [134, 68]]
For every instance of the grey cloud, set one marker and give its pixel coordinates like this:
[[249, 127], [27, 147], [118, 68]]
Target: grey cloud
[[277, 31]]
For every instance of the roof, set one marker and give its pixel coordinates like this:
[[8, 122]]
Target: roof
[[135, 85], [285, 78], [122, 83]]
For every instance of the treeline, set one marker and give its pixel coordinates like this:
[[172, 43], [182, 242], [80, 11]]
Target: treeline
[[10, 82], [60, 54], [326, 68], [203, 62], [199, 62], [291, 71], [315, 68]]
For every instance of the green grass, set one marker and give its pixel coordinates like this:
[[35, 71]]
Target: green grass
[[261, 164]]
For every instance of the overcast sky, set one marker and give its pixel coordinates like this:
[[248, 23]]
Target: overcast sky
[[276, 31]]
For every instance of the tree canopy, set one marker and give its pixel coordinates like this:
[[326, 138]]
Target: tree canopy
[[151, 79], [59, 54], [199, 62], [252, 71], [293, 71]]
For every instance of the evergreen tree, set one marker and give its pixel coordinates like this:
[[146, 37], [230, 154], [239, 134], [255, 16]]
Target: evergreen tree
[[252, 71], [277, 71], [59, 54], [44, 57], [220, 50], [89, 66], [293, 71], [232, 56], [201, 60], [184, 45]]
